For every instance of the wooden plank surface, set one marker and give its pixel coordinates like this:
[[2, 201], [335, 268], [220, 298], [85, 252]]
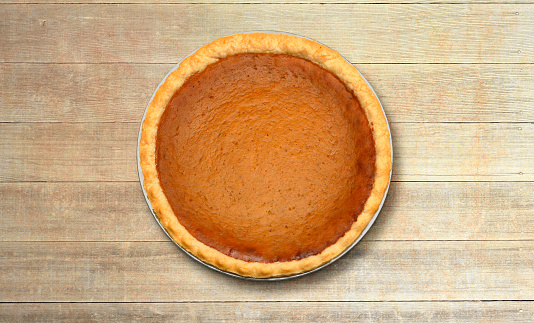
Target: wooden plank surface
[[454, 241], [409, 92], [363, 33], [302, 2], [266, 312], [160, 272], [106, 211], [422, 151]]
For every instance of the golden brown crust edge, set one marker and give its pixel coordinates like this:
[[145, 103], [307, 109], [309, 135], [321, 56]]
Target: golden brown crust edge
[[276, 44]]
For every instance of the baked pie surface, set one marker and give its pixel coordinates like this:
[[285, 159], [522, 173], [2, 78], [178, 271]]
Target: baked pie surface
[[265, 155]]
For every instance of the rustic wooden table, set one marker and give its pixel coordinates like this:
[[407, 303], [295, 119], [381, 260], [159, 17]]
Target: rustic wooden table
[[454, 241]]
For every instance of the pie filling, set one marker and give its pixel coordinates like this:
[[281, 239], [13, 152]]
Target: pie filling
[[265, 157]]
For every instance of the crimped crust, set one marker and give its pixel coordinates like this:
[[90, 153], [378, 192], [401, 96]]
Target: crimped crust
[[275, 44]]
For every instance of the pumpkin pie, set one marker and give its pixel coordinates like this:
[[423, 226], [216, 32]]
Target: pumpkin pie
[[265, 155]]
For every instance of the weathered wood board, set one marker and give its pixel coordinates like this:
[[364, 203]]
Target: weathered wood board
[[472, 311], [363, 33], [422, 151], [160, 272], [116, 211], [408, 92]]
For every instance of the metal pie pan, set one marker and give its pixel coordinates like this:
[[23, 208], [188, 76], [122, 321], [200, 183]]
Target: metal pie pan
[[141, 180]]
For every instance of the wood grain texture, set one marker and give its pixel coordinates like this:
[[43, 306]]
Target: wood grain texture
[[422, 151], [160, 272], [363, 33], [303, 2], [76, 212], [268, 312], [413, 211], [409, 92], [454, 241], [69, 152]]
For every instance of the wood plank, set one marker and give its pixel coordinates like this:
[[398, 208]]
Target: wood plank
[[160, 272], [453, 92], [422, 151], [262, 312], [77, 92], [407, 2], [101, 211], [68, 152], [413, 210], [467, 152], [370, 33], [409, 92]]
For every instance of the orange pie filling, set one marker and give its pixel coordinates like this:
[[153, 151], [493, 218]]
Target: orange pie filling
[[265, 157]]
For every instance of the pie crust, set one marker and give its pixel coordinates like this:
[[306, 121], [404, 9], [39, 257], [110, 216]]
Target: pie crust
[[263, 43]]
